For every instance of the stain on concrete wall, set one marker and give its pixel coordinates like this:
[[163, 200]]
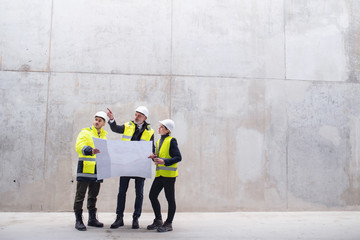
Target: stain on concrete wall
[[319, 143]]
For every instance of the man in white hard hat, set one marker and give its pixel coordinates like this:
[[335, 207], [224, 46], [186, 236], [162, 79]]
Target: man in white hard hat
[[86, 171], [137, 130]]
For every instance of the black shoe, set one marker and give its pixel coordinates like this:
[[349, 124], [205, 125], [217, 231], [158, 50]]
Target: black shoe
[[95, 223], [165, 228], [79, 225], [135, 223], [118, 222], [157, 223], [92, 219]]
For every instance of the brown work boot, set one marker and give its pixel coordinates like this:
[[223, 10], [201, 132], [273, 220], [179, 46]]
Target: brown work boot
[[156, 224], [165, 228]]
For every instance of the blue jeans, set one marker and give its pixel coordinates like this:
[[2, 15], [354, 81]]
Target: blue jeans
[[123, 187]]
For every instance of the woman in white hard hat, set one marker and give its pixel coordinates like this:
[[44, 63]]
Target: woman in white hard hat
[[166, 158]]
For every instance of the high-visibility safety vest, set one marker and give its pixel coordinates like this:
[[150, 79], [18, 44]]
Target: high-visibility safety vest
[[86, 170], [163, 152], [130, 129]]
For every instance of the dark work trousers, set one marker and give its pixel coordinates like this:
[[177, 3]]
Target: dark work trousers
[[81, 187], [169, 187], [123, 187]]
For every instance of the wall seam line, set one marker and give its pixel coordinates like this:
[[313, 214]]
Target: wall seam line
[[287, 115], [171, 57], [48, 93]]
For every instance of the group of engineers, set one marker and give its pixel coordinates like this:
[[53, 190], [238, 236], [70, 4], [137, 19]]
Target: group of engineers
[[165, 155]]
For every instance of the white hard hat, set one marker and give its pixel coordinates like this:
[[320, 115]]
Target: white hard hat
[[143, 110], [168, 123], [103, 115]]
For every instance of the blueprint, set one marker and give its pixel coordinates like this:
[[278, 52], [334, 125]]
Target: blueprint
[[123, 158]]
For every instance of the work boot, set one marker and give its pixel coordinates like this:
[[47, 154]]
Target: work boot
[[135, 223], [165, 228], [156, 224], [79, 225], [118, 222], [92, 219]]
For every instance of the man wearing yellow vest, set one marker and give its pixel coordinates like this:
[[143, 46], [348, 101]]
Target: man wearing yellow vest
[[137, 130], [166, 159], [86, 171]]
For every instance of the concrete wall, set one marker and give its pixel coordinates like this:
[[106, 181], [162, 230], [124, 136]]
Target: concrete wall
[[265, 96]]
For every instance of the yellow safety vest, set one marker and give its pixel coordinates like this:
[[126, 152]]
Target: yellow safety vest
[[87, 163], [130, 129], [163, 152]]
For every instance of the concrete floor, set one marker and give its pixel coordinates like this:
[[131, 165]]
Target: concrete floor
[[234, 225]]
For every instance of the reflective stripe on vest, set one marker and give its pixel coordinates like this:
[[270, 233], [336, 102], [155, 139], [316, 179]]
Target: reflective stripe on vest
[[86, 175], [166, 168], [130, 129], [87, 159], [126, 138], [163, 152]]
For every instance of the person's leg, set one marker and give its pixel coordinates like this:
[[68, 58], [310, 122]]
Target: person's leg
[[81, 188], [94, 188], [169, 188], [139, 188], [155, 190], [121, 200]]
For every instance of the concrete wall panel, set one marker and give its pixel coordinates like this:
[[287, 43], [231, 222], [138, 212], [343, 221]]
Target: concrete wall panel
[[316, 40], [320, 155], [222, 133], [111, 36], [232, 38], [25, 35], [23, 115]]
